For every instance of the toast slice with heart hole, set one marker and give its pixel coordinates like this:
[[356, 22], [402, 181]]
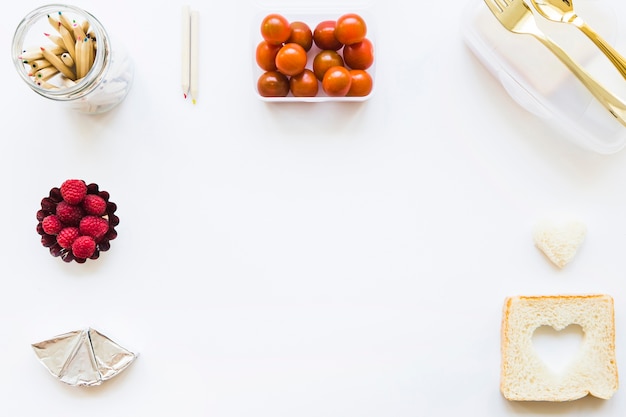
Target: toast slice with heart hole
[[593, 371]]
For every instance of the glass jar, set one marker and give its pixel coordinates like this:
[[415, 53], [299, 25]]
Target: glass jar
[[64, 54]]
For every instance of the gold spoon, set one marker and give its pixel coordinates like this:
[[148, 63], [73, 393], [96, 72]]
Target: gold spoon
[[563, 11]]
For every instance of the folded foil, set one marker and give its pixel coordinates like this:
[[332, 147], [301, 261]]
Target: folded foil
[[83, 357]]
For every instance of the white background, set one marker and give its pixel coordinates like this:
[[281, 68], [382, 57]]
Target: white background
[[310, 259]]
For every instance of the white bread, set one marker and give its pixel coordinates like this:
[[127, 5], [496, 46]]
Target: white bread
[[525, 377], [559, 241]]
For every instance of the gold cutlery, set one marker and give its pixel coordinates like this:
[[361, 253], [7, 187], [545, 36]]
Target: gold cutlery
[[562, 11], [516, 16]]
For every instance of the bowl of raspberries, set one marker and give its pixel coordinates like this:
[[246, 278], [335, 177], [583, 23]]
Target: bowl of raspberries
[[77, 221]]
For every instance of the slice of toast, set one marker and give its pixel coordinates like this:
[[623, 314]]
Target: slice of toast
[[525, 377]]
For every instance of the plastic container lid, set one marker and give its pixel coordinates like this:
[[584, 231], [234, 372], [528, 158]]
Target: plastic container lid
[[541, 84]]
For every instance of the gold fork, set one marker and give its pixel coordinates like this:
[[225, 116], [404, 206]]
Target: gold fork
[[516, 16], [563, 11]]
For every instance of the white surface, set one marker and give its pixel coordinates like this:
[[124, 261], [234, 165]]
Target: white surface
[[335, 259]]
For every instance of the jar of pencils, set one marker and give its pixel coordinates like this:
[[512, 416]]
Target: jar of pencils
[[64, 54]]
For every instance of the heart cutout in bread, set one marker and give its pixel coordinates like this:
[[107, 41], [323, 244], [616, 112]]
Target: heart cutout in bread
[[559, 241], [558, 348]]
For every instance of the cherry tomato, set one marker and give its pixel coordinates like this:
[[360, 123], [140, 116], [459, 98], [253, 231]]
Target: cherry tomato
[[291, 59], [324, 36], [266, 55], [350, 28], [359, 55], [273, 84], [325, 60], [301, 34], [361, 83], [275, 29], [304, 84], [336, 82]]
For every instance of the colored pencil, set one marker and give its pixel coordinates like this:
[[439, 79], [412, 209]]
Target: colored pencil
[[58, 64], [185, 49], [193, 61], [65, 21], [45, 74], [56, 39], [67, 59], [39, 64], [68, 40]]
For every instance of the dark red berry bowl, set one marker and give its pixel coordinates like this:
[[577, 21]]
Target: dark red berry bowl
[[77, 221]]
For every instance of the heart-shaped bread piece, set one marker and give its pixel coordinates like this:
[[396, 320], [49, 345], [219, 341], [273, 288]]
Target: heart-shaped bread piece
[[559, 241]]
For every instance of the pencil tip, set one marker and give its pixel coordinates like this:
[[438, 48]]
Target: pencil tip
[[185, 96], [42, 48]]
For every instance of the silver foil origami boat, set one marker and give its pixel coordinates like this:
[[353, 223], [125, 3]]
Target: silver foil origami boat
[[83, 357]]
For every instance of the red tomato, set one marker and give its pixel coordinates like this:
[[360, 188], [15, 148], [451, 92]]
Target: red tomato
[[350, 28], [325, 60], [291, 59], [275, 29], [359, 55], [266, 55], [336, 82], [273, 84], [304, 84], [361, 83], [324, 36], [301, 34]]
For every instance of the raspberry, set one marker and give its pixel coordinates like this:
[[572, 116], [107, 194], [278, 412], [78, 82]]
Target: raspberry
[[83, 247], [69, 214], [77, 221], [94, 226], [94, 204], [48, 241], [73, 191], [48, 205], [51, 224], [67, 236]]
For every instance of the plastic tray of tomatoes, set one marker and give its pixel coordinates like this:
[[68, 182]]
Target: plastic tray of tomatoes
[[313, 56]]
